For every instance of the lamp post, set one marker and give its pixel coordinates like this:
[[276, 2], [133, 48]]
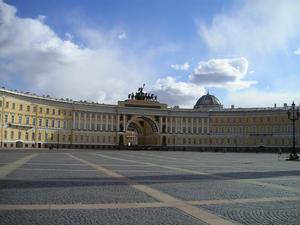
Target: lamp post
[[293, 115]]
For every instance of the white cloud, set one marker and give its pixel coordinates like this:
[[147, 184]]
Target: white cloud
[[297, 51], [122, 36], [184, 66], [225, 73], [35, 56], [257, 98], [254, 27], [177, 93]]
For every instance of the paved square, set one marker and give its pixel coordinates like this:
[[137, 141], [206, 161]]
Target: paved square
[[145, 187]]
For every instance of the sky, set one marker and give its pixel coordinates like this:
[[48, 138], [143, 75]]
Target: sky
[[246, 53]]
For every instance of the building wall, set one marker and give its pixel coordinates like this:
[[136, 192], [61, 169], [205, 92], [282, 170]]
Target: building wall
[[42, 122]]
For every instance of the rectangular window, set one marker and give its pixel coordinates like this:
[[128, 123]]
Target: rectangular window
[[13, 105], [47, 111], [58, 123], [5, 134], [26, 136], [12, 134], [6, 118], [40, 136], [27, 120], [0, 103], [53, 123], [40, 122], [20, 107], [47, 122], [35, 109], [32, 136], [33, 121], [46, 136], [7, 105], [28, 108], [19, 135], [53, 111], [12, 118], [41, 110], [20, 119]]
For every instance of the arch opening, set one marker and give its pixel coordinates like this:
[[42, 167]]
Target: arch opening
[[142, 131]]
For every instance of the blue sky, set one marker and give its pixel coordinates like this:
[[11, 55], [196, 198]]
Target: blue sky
[[243, 52]]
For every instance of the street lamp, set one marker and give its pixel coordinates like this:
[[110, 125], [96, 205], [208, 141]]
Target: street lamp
[[293, 115]]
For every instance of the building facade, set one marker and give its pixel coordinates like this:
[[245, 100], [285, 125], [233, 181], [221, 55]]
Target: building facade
[[31, 121]]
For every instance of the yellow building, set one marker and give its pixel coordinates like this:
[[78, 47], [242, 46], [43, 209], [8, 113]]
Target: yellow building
[[30, 121]]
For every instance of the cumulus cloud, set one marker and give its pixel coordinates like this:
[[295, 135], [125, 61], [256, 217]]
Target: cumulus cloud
[[184, 66], [253, 26], [225, 73], [35, 56], [176, 92], [297, 51]]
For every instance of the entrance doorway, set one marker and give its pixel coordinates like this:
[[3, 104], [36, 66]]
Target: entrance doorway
[[142, 131], [19, 144]]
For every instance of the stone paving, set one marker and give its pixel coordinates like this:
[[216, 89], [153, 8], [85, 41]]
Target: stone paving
[[147, 187]]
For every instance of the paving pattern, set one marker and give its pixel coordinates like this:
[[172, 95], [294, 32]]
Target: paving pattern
[[147, 187]]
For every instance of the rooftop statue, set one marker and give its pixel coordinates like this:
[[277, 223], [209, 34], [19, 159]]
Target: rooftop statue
[[141, 95]]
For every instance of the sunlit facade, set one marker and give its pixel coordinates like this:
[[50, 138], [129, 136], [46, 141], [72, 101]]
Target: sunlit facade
[[31, 121]]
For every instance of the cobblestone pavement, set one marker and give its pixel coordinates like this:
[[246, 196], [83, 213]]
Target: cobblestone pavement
[[146, 187]]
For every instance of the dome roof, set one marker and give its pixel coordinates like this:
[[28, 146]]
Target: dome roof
[[207, 100]]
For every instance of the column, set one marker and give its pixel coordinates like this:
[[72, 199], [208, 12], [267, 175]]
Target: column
[[160, 124], [176, 125], [171, 125], [187, 125], [118, 122], [192, 125], [124, 122], [106, 122], [84, 121], [202, 125], [74, 117], [79, 120], [112, 122], [197, 125], [90, 126], [101, 121], [207, 125], [96, 122], [166, 124], [181, 124]]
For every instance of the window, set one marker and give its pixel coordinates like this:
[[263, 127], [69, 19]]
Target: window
[[6, 118], [41, 110], [26, 136], [7, 105], [20, 119], [0, 103], [52, 137], [33, 121], [58, 112], [5, 134], [47, 111], [53, 122], [13, 105], [20, 107], [40, 136], [53, 111], [40, 122], [12, 134], [27, 120], [47, 122], [28, 108], [34, 108], [12, 118], [58, 123], [46, 136], [19, 135]]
